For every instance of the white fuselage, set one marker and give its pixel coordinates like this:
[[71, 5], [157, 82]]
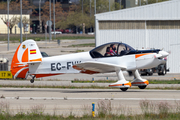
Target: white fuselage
[[64, 63]]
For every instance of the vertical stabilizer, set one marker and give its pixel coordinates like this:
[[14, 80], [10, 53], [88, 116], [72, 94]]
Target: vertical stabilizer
[[27, 51]]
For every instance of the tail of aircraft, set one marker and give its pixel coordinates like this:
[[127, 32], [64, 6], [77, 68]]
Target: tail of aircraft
[[26, 53]]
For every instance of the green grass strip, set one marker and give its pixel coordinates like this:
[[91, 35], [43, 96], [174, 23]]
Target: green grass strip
[[112, 81], [83, 45], [164, 81], [74, 37], [168, 116], [83, 87], [16, 38]]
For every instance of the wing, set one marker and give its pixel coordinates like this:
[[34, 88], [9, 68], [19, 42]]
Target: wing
[[97, 67]]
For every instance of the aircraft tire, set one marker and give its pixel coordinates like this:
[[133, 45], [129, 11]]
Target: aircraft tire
[[163, 72], [32, 81], [159, 73], [124, 89], [150, 74], [142, 87]]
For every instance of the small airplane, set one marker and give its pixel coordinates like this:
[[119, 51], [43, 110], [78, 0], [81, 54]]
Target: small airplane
[[28, 60]]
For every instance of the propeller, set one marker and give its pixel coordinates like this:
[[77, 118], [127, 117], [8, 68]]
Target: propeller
[[161, 54]]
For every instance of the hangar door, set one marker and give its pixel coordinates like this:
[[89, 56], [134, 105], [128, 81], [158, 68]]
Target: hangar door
[[144, 34], [166, 35], [121, 31]]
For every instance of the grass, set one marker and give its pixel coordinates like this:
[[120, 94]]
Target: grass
[[62, 87], [170, 116], [76, 51], [105, 110], [83, 45], [164, 81], [50, 117], [82, 87], [74, 37], [91, 81], [112, 81], [38, 37], [109, 81], [79, 51]]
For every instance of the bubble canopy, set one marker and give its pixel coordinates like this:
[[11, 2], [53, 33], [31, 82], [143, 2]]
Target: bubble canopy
[[119, 49]]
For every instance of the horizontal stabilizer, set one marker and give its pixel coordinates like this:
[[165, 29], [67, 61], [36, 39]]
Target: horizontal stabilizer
[[97, 67], [29, 62]]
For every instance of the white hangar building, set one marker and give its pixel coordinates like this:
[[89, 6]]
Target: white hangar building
[[149, 26]]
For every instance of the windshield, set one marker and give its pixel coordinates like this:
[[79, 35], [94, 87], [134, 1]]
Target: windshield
[[110, 50], [123, 49]]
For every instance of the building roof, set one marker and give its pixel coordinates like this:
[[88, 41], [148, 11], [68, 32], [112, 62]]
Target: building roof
[[169, 10]]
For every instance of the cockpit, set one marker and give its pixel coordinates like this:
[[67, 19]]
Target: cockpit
[[111, 49]]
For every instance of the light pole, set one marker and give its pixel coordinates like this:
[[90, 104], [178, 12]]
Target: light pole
[[49, 20], [8, 23], [40, 25], [120, 3], [140, 3], [90, 15], [95, 20], [54, 17], [76, 25], [82, 19], [94, 7], [109, 6], [21, 20], [82, 6]]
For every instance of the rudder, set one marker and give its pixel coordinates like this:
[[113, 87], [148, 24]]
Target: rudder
[[27, 51]]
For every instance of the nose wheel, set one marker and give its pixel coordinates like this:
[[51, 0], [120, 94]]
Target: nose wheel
[[124, 89], [32, 80]]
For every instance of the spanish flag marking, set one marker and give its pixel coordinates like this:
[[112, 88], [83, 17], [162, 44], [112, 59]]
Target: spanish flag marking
[[33, 51]]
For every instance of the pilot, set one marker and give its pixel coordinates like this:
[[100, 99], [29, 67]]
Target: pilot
[[113, 51], [108, 51]]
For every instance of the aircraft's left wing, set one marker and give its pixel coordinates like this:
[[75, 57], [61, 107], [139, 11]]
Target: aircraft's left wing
[[92, 67]]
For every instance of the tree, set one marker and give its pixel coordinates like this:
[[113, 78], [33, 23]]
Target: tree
[[59, 14], [116, 6], [15, 5], [3, 5], [12, 21], [25, 21], [76, 17], [151, 1], [101, 6]]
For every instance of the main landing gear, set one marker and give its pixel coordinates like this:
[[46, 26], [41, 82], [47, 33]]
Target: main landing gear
[[121, 83], [124, 89], [142, 87], [138, 81], [124, 84], [32, 80]]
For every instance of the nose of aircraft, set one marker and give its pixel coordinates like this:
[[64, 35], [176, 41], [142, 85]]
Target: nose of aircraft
[[163, 53]]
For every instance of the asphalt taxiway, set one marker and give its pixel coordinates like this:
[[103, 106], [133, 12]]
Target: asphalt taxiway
[[65, 101]]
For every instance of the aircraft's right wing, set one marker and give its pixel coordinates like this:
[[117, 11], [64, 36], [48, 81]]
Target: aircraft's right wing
[[92, 67]]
